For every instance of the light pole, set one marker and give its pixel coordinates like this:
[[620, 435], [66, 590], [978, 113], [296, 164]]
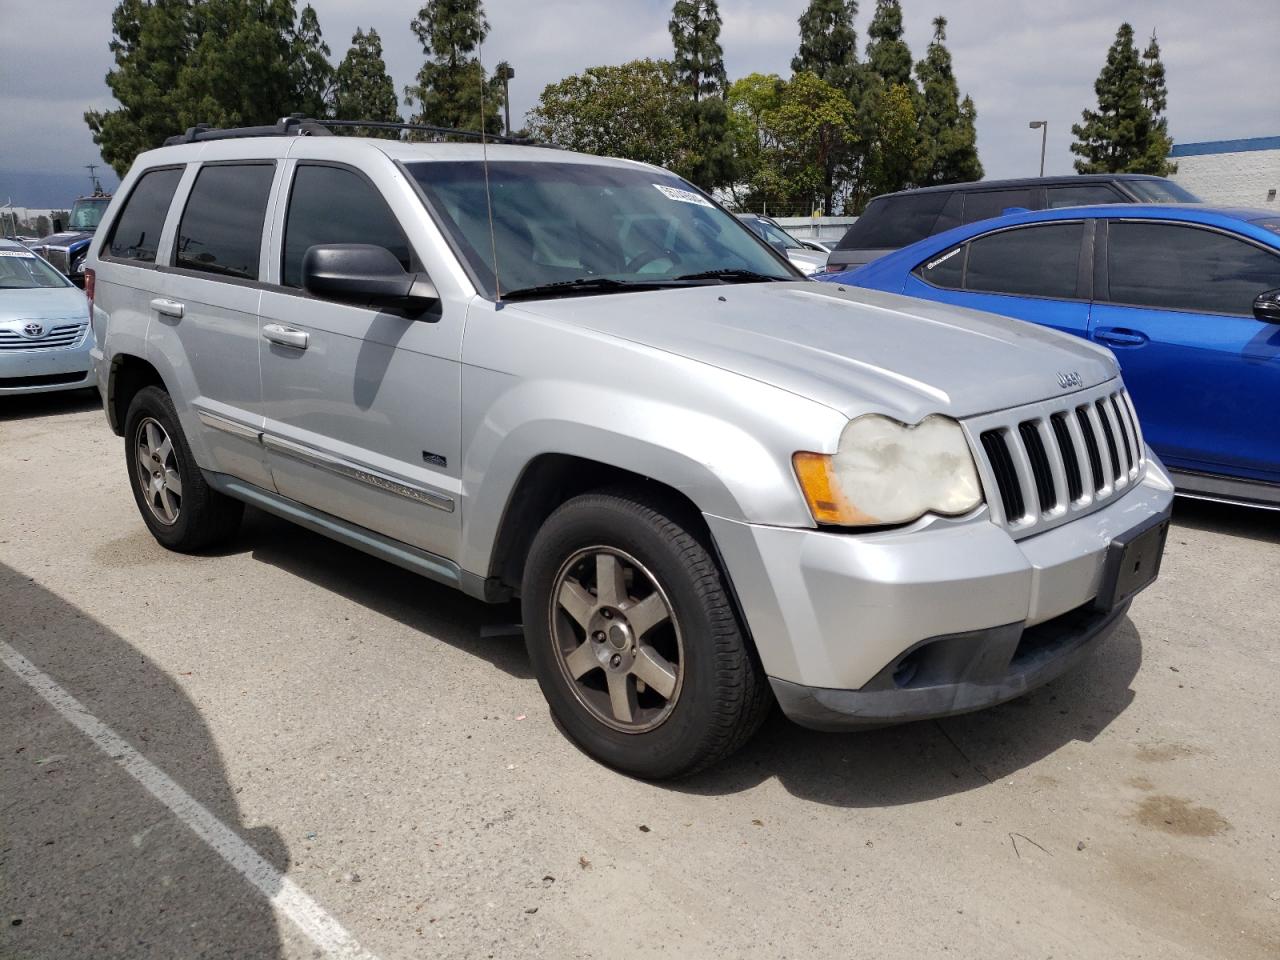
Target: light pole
[[1043, 127]]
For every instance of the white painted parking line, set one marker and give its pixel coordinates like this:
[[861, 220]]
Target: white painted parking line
[[287, 898]]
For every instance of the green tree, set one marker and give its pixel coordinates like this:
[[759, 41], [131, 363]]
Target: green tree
[[632, 111], [888, 56], [1155, 97], [1124, 135], [698, 64], [363, 89], [313, 74], [150, 44], [452, 89], [750, 101], [893, 154], [948, 139], [829, 44]]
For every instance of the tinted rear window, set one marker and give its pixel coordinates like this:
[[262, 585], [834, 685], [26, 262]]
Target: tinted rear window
[[985, 204], [1039, 261], [892, 222], [221, 229], [136, 235]]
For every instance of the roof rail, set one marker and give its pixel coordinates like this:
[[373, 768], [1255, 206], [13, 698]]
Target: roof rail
[[299, 126]]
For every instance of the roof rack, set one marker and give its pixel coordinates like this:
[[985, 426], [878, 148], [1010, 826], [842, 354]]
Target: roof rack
[[299, 126]]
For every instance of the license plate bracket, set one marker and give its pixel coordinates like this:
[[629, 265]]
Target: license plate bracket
[[1132, 563]]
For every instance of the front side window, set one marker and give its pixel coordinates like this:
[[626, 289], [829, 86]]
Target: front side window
[[136, 235], [1083, 195], [23, 270], [1175, 267], [221, 228], [1036, 261], [333, 205], [992, 203], [595, 226]]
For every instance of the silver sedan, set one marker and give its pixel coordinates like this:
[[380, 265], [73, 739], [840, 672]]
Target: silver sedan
[[44, 326]]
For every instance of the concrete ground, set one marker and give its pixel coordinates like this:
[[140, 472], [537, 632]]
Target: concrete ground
[[363, 733]]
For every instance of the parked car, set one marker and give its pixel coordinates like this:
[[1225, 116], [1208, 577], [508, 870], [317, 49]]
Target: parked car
[[67, 246], [1188, 297], [709, 482], [896, 220], [43, 322], [806, 255]]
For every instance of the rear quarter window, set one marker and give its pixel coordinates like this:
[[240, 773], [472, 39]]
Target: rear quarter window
[[136, 234]]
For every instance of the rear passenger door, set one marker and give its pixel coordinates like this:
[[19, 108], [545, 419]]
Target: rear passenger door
[[363, 418], [205, 313], [1175, 303], [1039, 273]]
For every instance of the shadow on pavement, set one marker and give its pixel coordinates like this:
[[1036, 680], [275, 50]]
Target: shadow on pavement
[[21, 406], [91, 864], [1249, 523], [432, 608], [903, 764]]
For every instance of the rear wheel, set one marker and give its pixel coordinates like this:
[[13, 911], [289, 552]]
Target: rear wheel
[[179, 508], [634, 640]]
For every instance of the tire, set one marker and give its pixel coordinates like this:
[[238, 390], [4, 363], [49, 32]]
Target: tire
[[186, 516], [706, 693]]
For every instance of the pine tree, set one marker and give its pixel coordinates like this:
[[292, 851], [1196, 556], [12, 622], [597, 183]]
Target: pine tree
[[948, 140], [829, 44], [888, 56], [1118, 136], [312, 72], [363, 90], [1155, 97], [452, 89], [699, 70]]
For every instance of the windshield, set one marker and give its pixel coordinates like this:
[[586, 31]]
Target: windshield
[[1160, 191], [87, 213], [594, 225], [23, 270], [1269, 223]]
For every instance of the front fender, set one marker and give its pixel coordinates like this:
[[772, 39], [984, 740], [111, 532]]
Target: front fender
[[726, 446]]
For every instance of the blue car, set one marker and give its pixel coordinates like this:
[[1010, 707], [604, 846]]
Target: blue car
[[1187, 296]]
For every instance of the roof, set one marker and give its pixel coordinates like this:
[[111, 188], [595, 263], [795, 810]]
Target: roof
[[1070, 178], [1210, 147]]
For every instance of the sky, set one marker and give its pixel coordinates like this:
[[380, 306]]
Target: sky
[[1019, 60]]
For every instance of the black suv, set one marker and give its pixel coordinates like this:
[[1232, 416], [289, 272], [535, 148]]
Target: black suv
[[897, 219]]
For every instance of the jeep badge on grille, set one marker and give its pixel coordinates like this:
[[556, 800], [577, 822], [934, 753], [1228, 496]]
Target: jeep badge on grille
[[1071, 379]]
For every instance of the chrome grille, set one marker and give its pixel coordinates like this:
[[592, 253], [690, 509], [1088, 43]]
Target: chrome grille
[[1045, 463], [58, 335]]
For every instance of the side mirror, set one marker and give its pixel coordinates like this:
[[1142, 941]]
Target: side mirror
[[1267, 306], [363, 273], [58, 225]]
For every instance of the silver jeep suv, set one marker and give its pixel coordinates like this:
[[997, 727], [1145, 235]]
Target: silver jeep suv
[[578, 381]]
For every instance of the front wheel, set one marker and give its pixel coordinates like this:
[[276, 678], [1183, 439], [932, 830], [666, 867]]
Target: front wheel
[[634, 639]]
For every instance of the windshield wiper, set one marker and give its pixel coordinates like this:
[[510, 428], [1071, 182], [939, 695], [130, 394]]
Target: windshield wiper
[[584, 285], [733, 275]]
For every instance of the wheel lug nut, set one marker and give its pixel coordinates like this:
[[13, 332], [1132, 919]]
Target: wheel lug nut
[[607, 614], [615, 660], [598, 636]]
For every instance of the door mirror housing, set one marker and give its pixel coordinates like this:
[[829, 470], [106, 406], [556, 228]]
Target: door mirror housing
[[1267, 306], [363, 273]]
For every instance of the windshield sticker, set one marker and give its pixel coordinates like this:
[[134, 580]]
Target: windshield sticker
[[24, 254], [942, 259], [682, 196]]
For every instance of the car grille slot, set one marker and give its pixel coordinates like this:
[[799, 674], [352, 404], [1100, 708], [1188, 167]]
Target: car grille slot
[[1029, 431], [59, 335], [997, 450], [1065, 458]]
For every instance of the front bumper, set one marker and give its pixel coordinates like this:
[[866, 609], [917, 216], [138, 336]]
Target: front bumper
[[946, 617], [46, 370]]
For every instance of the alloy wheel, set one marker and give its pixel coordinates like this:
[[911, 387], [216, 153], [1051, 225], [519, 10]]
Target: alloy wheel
[[157, 471]]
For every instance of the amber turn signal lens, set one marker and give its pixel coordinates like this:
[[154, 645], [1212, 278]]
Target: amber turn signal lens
[[827, 503]]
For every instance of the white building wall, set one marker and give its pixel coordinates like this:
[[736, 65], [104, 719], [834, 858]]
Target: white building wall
[[1243, 179]]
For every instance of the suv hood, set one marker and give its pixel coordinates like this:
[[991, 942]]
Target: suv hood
[[852, 349]]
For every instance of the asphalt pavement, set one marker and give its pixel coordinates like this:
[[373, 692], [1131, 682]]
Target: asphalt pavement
[[291, 750]]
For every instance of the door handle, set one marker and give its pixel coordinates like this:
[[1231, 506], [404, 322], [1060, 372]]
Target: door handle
[[286, 336], [170, 308], [1120, 337]]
